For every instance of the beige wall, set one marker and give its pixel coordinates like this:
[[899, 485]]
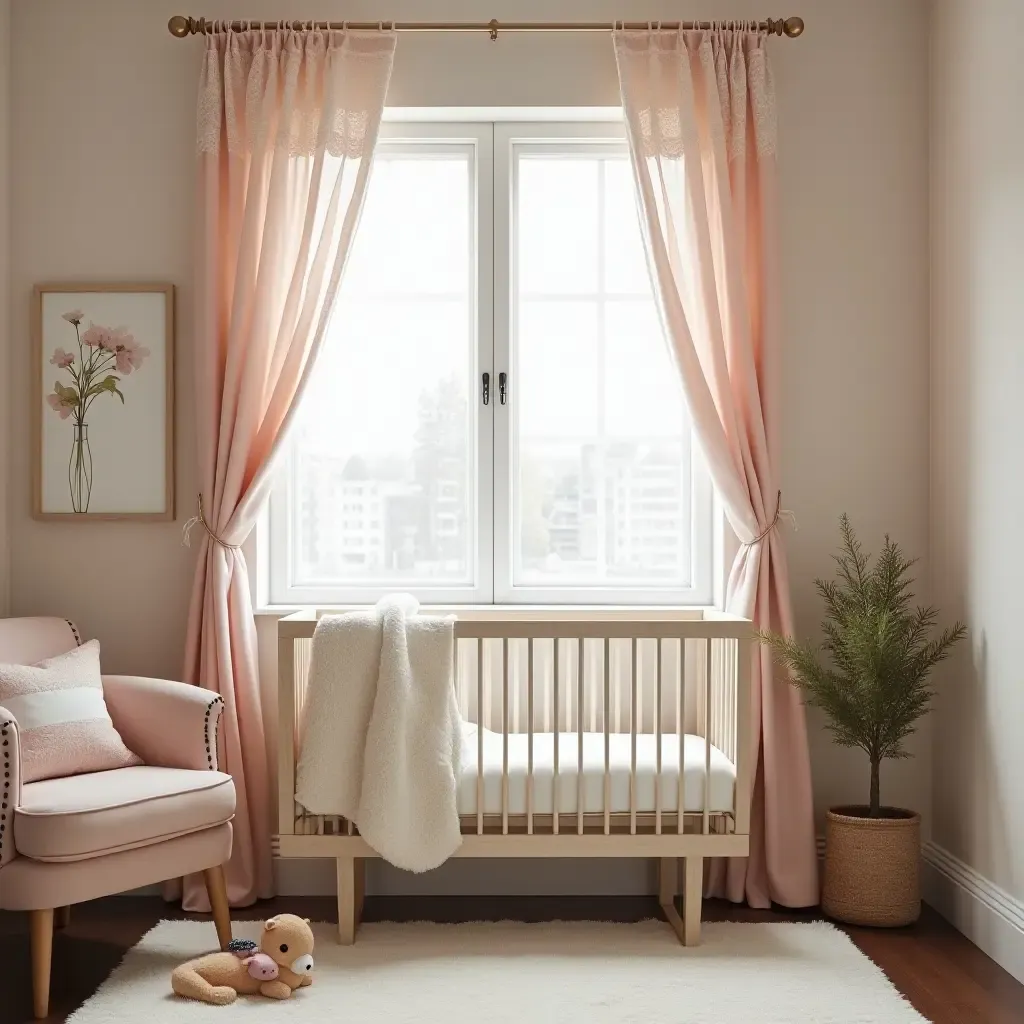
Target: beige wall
[[977, 380], [103, 130], [5, 290]]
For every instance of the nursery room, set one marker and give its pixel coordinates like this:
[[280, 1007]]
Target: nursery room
[[508, 511]]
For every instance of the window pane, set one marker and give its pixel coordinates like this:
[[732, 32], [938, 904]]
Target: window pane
[[557, 210], [609, 514], [557, 368], [601, 451], [413, 234], [382, 477], [642, 393], [625, 267]]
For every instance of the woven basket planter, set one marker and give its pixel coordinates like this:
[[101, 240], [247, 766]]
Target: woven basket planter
[[872, 867]]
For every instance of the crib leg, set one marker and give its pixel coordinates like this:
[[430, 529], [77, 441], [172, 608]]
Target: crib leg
[[668, 880], [350, 898], [693, 893], [668, 887]]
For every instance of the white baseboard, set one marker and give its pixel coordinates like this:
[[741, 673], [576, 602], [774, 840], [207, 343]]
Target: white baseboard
[[988, 915]]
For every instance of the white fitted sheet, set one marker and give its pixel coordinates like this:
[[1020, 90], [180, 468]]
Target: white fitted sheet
[[722, 786]]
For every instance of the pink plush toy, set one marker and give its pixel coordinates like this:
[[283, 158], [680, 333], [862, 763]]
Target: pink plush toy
[[261, 966]]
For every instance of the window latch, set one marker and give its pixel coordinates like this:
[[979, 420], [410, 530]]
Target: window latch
[[485, 388], [502, 380]]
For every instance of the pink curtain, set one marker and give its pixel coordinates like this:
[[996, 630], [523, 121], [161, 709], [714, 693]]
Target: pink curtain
[[700, 116], [287, 123]]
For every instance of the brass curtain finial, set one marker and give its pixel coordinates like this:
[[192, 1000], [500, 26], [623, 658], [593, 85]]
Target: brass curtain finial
[[181, 26]]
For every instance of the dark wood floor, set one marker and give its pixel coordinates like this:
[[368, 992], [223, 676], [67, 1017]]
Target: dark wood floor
[[949, 980]]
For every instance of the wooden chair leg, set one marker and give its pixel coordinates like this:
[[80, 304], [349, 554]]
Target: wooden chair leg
[[693, 893], [41, 929], [62, 917], [350, 885], [360, 888], [217, 890]]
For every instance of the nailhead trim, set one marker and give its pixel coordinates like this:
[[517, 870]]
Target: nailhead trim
[[74, 629], [211, 737], [7, 787]]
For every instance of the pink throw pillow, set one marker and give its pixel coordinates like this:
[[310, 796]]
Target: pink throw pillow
[[63, 723]]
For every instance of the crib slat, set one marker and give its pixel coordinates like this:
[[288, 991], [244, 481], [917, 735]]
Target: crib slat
[[617, 695], [607, 743], [504, 736], [716, 725], [734, 703], [529, 736], [579, 735], [726, 726], [745, 652], [657, 727], [634, 686], [480, 737], [707, 736], [554, 778], [681, 733]]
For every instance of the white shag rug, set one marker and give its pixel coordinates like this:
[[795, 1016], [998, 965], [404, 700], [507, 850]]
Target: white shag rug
[[511, 973]]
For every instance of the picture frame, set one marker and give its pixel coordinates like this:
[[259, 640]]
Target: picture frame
[[107, 454]]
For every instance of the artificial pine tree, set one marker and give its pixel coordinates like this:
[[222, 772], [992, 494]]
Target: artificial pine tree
[[873, 686]]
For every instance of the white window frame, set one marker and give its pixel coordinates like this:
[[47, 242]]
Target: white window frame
[[593, 137], [491, 144], [476, 138]]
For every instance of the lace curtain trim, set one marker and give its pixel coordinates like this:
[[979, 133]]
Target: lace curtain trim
[[662, 69], [296, 92]]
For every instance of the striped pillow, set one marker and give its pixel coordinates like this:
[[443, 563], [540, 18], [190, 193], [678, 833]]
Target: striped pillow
[[62, 718]]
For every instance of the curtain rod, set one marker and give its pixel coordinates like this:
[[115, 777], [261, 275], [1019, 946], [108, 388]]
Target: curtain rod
[[181, 26]]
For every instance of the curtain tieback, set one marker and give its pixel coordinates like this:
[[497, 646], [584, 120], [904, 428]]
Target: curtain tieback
[[199, 518], [780, 513]]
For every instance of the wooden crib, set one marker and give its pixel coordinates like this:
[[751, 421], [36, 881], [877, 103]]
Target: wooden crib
[[597, 734]]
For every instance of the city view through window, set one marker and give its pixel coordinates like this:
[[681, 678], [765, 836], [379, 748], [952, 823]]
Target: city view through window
[[398, 475]]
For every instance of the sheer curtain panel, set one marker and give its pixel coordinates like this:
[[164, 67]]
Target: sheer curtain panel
[[287, 123], [701, 122]]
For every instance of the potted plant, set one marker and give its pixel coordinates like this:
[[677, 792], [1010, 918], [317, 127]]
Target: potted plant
[[872, 684]]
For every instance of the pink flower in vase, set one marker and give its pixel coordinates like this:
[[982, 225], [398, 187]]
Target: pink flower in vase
[[73, 316], [96, 336], [62, 359], [60, 405], [128, 353]]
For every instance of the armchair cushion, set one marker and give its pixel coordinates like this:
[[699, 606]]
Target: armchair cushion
[[84, 816], [173, 725], [63, 723]]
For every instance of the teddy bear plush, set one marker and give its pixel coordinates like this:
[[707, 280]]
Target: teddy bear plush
[[279, 964]]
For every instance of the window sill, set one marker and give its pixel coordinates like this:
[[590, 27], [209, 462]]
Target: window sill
[[656, 613]]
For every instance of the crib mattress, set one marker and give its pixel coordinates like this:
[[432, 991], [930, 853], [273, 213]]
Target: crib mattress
[[720, 795]]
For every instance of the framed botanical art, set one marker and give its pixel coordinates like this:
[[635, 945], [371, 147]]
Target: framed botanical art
[[103, 407]]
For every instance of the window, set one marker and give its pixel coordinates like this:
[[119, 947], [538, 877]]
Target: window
[[494, 415]]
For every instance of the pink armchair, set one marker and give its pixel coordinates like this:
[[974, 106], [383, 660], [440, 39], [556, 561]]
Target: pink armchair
[[63, 841]]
